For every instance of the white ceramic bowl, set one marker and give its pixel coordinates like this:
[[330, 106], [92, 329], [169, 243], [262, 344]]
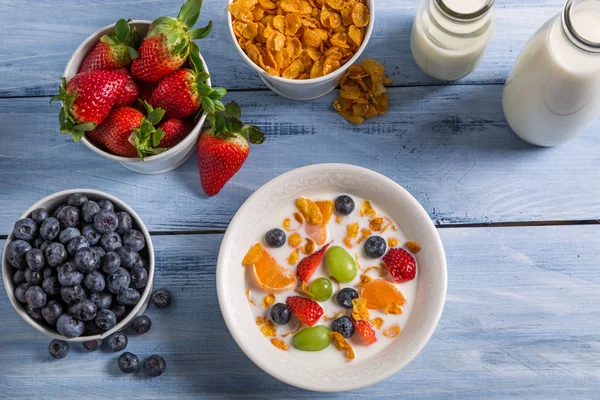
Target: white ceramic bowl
[[157, 164], [50, 203], [304, 89], [399, 205]]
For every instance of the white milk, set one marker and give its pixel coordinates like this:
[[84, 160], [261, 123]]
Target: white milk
[[449, 45], [553, 93]]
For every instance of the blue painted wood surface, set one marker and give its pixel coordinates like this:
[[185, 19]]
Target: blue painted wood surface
[[521, 320]]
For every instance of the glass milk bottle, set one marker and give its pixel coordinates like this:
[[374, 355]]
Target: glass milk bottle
[[449, 37], [552, 93]]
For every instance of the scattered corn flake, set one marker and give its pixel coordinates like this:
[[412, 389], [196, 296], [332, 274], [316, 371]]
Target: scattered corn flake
[[376, 224], [249, 298], [413, 247], [389, 224], [364, 235], [364, 279], [360, 312], [338, 219], [334, 316], [310, 211], [299, 217], [352, 230], [260, 321], [348, 242], [392, 308], [377, 322], [342, 345], [268, 300], [305, 290], [360, 15], [294, 240], [393, 242], [293, 257], [268, 329], [366, 208], [377, 267], [357, 263], [280, 344], [309, 247], [392, 331], [286, 224]]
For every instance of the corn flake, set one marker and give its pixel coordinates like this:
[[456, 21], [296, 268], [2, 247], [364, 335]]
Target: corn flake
[[293, 257], [268, 329], [249, 298], [393, 242], [392, 308], [342, 344], [309, 247], [260, 321], [294, 240], [364, 279], [413, 247], [280, 344], [360, 15], [310, 211], [377, 322], [334, 316], [366, 208], [392, 331], [360, 312], [268, 300]]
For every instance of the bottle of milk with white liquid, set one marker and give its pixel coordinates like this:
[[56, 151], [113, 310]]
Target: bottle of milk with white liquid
[[449, 37], [553, 92]]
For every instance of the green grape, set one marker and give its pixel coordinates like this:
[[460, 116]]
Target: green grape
[[312, 339], [341, 264], [321, 289]]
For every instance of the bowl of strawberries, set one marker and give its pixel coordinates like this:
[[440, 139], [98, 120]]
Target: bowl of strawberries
[[138, 92]]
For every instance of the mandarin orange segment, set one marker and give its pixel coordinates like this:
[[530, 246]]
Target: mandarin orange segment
[[380, 293], [268, 274], [318, 232]]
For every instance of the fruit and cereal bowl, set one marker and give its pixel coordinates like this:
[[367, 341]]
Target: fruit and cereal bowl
[[300, 48], [79, 265], [331, 277], [137, 92]]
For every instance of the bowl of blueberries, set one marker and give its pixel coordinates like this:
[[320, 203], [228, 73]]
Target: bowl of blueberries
[[79, 265]]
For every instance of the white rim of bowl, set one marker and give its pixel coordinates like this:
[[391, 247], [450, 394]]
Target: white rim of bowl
[[320, 79], [220, 278], [106, 154], [19, 308]]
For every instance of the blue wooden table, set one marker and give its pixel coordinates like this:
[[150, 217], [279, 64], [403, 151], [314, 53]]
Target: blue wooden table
[[520, 224]]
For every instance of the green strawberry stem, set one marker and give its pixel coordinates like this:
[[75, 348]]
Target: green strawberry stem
[[147, 137], [123, 34], [227, 124], [66, 121]]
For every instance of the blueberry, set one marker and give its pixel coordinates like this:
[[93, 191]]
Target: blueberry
[[68, 234], [118, 281], [77, 243], [88, 210], [34, 312], [344, 205], [280, 314], [44, 244], [125, 222], [87, 260], [345, 296], [55, 254], [106, 205], [117, 341], [139, 277], [375, 247], [119, 311], [20, 291], [154, 365], [68, 216], [106, 221], [36, 297], [18, 277], [25, 229], [129, 257], [110, 262], [33, 277], [110, 241], [58, 349], [48, 272], [102, 300], [98, 250], [72, 294], [51, 311], [343, 326], [275, 238], [92, 345], [141, 263], [51, 286], [37, 242], [128, 297], [68, 275], [77, 199], [91, 234], [90, 328], [94, 281], [35, 259], [39, 215], [15, 253], [85, 310], [50, 228], [141, 324], [135, 239], [161, 298], [58, 210], [128, 362], [69, 326]]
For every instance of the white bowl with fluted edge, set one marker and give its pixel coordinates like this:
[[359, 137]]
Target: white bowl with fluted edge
[[155, 164], [304, 89], [401, 207], [52, 202]]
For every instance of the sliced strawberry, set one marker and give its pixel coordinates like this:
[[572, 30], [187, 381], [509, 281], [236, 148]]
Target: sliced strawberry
[[308, 265], [366, 331], [308, 311], [401, 264]]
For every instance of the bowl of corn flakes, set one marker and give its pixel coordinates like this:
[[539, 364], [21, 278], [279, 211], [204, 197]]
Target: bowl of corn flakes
[[300, 48]]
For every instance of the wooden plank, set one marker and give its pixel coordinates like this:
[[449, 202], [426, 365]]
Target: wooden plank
[[521, 321], [38, 37], [449, 146]]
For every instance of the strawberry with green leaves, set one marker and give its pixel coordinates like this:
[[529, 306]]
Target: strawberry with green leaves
[[113, 51], [87, 99], [183, 92], [224, 147], [168, 43]]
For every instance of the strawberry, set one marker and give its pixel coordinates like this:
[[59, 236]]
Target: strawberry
[[130, 92], [366, 331], [223, 148], [175, 131], [113, 51], [168, 43], [181, 93], [308, 311], [87, 99], [401, 264], [308, 265]]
